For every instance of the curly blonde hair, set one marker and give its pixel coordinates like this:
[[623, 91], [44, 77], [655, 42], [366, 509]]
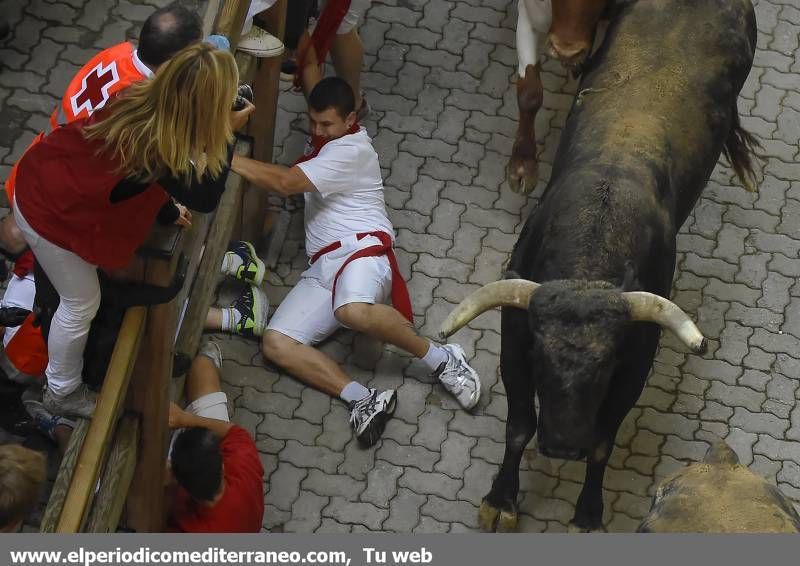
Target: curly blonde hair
[[161, 126]]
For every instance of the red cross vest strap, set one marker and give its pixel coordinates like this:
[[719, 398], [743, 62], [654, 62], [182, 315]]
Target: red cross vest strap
[[106, 73], [400, 298], [329, 20]]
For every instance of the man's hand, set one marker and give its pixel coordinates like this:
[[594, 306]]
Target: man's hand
[[13, 316], [177, 416], [239, 118], [184, 216]]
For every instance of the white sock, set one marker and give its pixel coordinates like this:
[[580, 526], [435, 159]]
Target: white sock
[[353, 392], [230, 318], [231, 263], [435, 357]]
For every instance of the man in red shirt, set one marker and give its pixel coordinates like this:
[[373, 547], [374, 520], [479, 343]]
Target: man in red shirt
[[215, 463]]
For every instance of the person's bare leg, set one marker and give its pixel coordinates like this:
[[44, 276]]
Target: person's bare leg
[[347, 54], [384, 323], [306, 363], [203, 379], [213, 319]]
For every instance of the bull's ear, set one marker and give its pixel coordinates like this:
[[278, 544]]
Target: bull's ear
[[630, 282]]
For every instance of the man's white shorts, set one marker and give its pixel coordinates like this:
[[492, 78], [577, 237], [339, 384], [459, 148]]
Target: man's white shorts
[[211, 406], [306, 314]]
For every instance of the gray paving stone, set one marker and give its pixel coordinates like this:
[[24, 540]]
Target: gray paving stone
[[306, 513], [433, 483], [331, 526], [327, 484], [304, 456], [404, 511], [455, 455], [276, 403], [285, 429], [288, 478], [664, 423], [401, 455], [429, 525], [451, 511], [366, 514], [382, 484]]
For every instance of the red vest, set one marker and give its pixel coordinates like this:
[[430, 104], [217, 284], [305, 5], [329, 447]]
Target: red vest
[[106, 73], [63, 190], [27, 350]]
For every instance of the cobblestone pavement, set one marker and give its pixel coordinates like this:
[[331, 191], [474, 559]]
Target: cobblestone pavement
[[444, 115]]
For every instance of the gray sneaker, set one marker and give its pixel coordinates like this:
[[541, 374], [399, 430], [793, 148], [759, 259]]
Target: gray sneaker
[[43, 420], [459, 378], [368, 416], [79, 403], [212, 351]]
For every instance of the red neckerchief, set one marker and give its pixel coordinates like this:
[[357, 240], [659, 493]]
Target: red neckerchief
[[329, 20], [315, 143], [400, 297], [24, 264]]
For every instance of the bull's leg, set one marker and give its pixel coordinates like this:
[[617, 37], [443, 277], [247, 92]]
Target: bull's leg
[[499, 508], [532, 24], [627, 384], [589, 508]]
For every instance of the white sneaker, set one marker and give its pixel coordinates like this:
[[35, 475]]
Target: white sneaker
[[368, 416], [260, 43], [459, 378], [212, 351]]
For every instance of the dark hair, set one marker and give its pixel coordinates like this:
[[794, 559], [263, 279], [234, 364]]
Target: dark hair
[[332, 92], [167, 31], [197, 462]]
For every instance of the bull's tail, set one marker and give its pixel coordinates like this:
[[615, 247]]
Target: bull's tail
[[740, 149]]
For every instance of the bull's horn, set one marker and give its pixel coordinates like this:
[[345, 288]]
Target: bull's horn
[[653, 308], [506, 293]]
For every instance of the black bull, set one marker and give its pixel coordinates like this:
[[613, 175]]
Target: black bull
[[656, 107]]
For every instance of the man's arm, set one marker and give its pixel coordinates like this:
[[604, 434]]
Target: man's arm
[[178, 418], [276, 178]]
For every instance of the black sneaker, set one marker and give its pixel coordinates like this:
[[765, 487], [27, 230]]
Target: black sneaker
[[253, 307], [368, 416]]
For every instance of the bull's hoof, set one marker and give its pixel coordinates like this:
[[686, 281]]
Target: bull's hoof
[[522, 175], [492, 519], [573, 528]]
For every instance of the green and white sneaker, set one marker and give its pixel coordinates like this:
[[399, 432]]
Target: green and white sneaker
[[252, 306], [242, 262]]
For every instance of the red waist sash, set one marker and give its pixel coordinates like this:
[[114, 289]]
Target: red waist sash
[[400, 298]]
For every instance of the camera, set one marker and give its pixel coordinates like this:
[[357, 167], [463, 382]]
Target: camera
[[245, 92]]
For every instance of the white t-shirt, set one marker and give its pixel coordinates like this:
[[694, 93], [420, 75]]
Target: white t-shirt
[[349, 195]]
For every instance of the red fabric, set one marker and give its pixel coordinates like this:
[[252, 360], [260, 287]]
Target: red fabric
[[106, 73], [315, 144], [27, 350], [400, 298], [24, 264], [329, 20], [241, 509], [63, 190]]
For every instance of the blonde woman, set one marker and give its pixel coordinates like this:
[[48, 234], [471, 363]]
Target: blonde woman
[[87, 195]]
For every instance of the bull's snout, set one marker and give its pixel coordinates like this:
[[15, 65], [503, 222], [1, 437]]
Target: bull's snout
[[571, 54]]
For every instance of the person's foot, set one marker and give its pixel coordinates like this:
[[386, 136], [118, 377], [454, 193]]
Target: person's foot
[[260, 43], [79, 403], [253, 308], [459, 378], [44, 421], [242, 262], [212, 351], [368, 416]]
